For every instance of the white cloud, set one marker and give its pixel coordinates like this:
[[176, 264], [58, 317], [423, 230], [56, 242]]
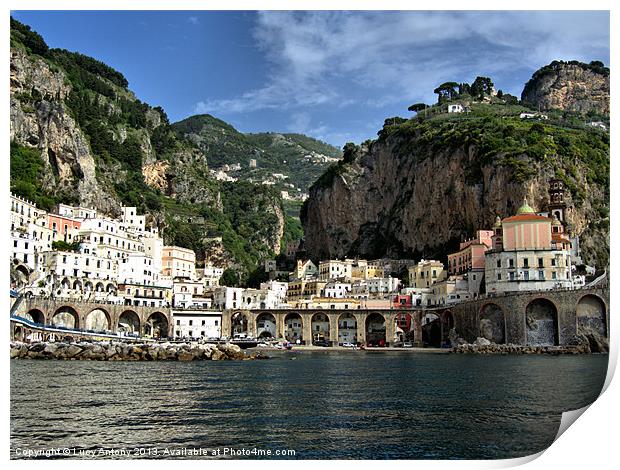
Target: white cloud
[[332, 58]]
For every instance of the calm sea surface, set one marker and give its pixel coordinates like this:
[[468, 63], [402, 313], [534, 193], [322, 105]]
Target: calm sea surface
[[323, 405]]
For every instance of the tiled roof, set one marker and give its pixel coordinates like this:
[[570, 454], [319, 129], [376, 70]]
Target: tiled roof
[[526, 217]]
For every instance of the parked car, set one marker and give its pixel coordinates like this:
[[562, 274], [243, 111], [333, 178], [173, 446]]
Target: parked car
[[348, 345], [399, 344], [407, 344], [322, 343]]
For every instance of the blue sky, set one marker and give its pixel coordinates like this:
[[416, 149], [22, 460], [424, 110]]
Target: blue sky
[[332, 75]]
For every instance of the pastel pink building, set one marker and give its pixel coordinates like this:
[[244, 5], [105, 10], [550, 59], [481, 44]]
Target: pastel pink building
[[63, 228], [471, 253]]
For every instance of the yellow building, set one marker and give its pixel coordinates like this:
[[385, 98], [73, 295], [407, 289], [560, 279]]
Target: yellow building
[[426, 273], [304, 289]]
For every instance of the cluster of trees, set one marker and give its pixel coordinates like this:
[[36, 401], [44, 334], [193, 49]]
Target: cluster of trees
[[32, 40], [448, 91], [61, 245]]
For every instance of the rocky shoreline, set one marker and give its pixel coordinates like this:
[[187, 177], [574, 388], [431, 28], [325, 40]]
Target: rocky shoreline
[[119, 351], [580, 344]]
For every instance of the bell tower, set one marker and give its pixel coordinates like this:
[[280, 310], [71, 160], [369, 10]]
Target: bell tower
[[557, 206]]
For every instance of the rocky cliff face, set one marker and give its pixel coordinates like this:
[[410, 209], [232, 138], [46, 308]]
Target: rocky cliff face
[[404, 197], [573, 86], [46, 124]]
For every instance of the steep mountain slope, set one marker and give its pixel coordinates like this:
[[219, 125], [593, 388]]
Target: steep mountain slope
[[79, 135], [428, 182], [300, 158]]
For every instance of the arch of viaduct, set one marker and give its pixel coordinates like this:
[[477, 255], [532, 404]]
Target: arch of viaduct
[[112, 318], [526, 318], [545, 318]]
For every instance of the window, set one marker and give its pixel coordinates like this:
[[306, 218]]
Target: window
[[526, 275], [499, 263], [204, 322], [202, 333], [554, 275], [14, 243], [553, 263], [540, 262], [191, 322], [191, 333], [541, 275], [217, 322], [178, 321], [526, 263], [512, 276], [511, 263], [499, 277]]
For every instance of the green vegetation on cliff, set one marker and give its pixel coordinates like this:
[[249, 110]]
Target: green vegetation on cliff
[[222, 144], [489, 139]]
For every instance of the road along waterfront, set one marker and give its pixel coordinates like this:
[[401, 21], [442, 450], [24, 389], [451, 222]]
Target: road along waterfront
[[322, 405]]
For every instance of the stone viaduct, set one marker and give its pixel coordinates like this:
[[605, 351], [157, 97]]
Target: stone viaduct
[[96, 316], [525, 318]]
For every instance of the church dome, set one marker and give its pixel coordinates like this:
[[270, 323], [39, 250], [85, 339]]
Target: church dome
[[525, 208]]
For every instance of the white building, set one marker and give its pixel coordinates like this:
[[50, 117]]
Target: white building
[[197, 324], [212, 275], [455, 108], [335, 269], [337, 290], [227, 297], [279, 289], [383, 285]]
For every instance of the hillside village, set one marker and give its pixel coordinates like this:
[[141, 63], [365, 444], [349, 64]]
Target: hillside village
[[78, 254]]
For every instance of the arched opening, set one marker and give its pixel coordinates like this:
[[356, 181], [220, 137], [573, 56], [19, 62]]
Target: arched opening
[[35, 315], [65, 284], [110, 288], [541, 323], [265, 325], [431, 330], [77, 285], [492, 323], [99, 287], [129, 323], [88, 286], [320, 327], [403, 328], [66, 317], [375, 330], [23, 270], [347, 329], [239, 325], [97, 320], [591, 315], [293, 327], [67, 339], [157, 325]]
